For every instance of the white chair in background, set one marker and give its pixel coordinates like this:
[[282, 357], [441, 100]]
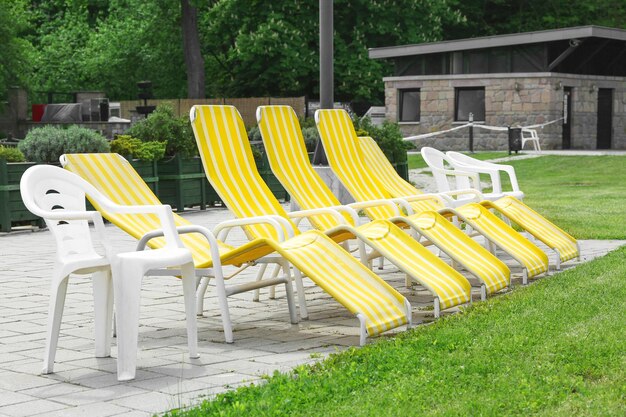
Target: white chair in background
[[530, 135], [58, 196]]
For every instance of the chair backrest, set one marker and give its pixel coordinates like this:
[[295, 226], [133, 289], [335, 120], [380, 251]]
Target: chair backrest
[[117, 180], [347, 160], [439, 163], [57, 195], [289, 161], [229, 165], [384, 171]]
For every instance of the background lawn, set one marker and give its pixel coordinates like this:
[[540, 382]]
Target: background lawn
[[584, 195]]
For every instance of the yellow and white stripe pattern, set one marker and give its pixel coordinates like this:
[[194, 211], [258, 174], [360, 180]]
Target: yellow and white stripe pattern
[[537, 225], [509, 240], [337, 133], [531, 221], [286, 151], [290, 164], [230, 168], [113, 176], [411, 257]]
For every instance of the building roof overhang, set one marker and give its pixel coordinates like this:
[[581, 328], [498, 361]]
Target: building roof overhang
[[580, 32]]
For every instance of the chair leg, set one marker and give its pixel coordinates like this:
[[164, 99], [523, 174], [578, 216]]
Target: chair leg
[[259, 277], [275, 273], [189, 291], [293, 316], [103, 312], [200, 293], [127, 279], [304, 314], [220, 287], [58, 290]]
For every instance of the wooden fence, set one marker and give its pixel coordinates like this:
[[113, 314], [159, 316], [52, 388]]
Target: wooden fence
[[246, 106]]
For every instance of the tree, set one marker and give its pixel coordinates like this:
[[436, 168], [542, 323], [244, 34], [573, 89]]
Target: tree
[[16, 51], [194, 61]]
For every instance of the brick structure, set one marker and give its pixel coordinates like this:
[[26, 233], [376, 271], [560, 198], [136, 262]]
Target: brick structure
[[512, 97]]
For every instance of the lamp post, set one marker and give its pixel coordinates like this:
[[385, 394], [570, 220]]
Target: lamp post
[[326, 69]]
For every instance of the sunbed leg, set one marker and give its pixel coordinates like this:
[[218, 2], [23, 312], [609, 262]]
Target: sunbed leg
[[220, 287], [259, 277], [437, 306], [363, 254], [558, 260], [275, 272], [381, 263], [304, 314], [525, 276], [363, 337], [289, 290], [407, 281], [409, 313], [200, 293], [483, 292]]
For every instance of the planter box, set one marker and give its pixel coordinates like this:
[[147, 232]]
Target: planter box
[[182, 183], [12, 209], [149, 173], [401, 164]]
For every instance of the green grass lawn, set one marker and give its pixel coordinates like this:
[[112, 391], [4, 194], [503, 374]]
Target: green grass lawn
[[584, 195], [555, 348], [415, 160]]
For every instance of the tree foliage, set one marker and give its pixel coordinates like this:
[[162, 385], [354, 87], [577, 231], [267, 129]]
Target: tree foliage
[[249, 47]]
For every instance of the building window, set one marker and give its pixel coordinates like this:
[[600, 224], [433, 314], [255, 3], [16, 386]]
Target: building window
[[470, 100], [409, 105]]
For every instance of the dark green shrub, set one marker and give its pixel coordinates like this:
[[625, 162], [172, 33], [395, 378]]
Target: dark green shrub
[[254, 134], [46, 144], [387, 135], [11, 154], [162, 125]]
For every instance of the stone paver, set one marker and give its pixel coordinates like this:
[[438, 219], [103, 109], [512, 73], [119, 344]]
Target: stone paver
[[265, 341]]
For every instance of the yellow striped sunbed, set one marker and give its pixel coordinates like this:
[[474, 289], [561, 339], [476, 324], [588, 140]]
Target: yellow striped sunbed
[[113, 176], [515, 210], [231, 170], [347, 161], [289, 161]]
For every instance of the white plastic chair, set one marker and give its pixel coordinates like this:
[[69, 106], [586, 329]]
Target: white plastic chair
[[462, 180], [530, 135], [468, 164], [58, 196]]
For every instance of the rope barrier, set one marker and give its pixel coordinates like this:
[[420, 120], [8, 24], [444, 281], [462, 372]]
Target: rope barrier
[[481, 126]]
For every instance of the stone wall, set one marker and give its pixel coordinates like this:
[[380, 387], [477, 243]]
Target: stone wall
[[510, 100]]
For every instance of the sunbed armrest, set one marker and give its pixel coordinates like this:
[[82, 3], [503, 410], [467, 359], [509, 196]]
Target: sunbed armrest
[[478, 196], [304, 214], [280, 224], [375, 203]]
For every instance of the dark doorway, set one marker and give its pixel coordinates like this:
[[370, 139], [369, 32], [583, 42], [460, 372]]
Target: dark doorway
[[567, 117], [605, 118]]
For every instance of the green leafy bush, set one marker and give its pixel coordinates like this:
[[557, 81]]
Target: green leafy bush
[[387, 136], [151, 151], [162, 125], [254, 134], [125, 145], [11, 154], [311, 136], [47, 143]]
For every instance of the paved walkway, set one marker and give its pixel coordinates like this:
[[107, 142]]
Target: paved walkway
[[265, 341]]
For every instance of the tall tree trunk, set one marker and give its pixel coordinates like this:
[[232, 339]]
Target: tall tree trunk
[[191, 46]]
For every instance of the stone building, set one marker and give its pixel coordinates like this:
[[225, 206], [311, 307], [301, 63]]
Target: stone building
[[574, 76]]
